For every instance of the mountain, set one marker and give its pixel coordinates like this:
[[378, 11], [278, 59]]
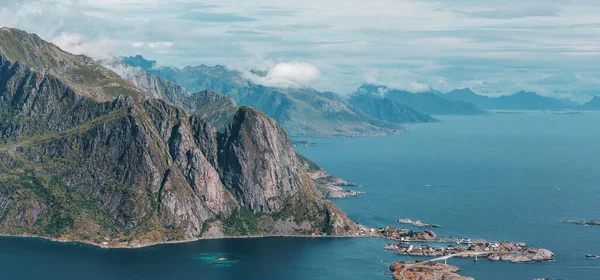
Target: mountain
[[215, 108], [427, 102], [301, 111], [211, 106], [139, 61], [88, 156], [158, 87], [520, 101], [388, 110], [467, 95], [219, 110], [593, 104]]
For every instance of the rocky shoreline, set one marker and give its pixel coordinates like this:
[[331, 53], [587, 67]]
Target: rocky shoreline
[[331, 186], [327, 185], [361, 232], [514, 252], [150, 244]]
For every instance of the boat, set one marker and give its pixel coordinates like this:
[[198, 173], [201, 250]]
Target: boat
[[464, 241]]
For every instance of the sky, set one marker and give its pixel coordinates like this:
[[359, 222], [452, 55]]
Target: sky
[[493, 47]]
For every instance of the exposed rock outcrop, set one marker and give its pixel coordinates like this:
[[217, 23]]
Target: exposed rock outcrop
[[426, 270], [258, 163], [524, 255]]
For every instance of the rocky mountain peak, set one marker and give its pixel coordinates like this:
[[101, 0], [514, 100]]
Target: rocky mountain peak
[[258, 162], [80, 72], [86, 155]]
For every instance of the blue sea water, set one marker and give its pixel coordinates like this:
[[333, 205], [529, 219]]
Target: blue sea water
[[499, 177]]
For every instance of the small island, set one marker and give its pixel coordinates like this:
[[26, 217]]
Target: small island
[[515, 252], [417, 223], [582, 223], [416, 270]]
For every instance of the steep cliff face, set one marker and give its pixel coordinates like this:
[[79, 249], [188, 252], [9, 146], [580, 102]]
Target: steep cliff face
[[135, 170], [32, 103], [258, 163], [148, 176]]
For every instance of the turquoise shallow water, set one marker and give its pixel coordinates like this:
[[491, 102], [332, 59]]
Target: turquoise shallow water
[[499, 177]]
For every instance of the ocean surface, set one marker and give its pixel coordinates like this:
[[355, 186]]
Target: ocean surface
[[505, 176]]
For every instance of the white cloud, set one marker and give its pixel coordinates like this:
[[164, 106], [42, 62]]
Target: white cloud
[[67, 41], [153, 45], [412, 43], [381, 91], [288, 75], [398, 79], [160, 45], [101, 48], [123, 70], [416, 87]]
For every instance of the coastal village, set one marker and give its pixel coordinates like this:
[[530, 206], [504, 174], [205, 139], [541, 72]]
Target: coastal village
[[439, 249], [516, 252]]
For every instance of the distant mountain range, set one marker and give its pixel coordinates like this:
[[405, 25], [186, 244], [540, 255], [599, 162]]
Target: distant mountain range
[[371, 110], [301, 111], [388, 109], [427, 102], [522, 100], [593, 104]]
